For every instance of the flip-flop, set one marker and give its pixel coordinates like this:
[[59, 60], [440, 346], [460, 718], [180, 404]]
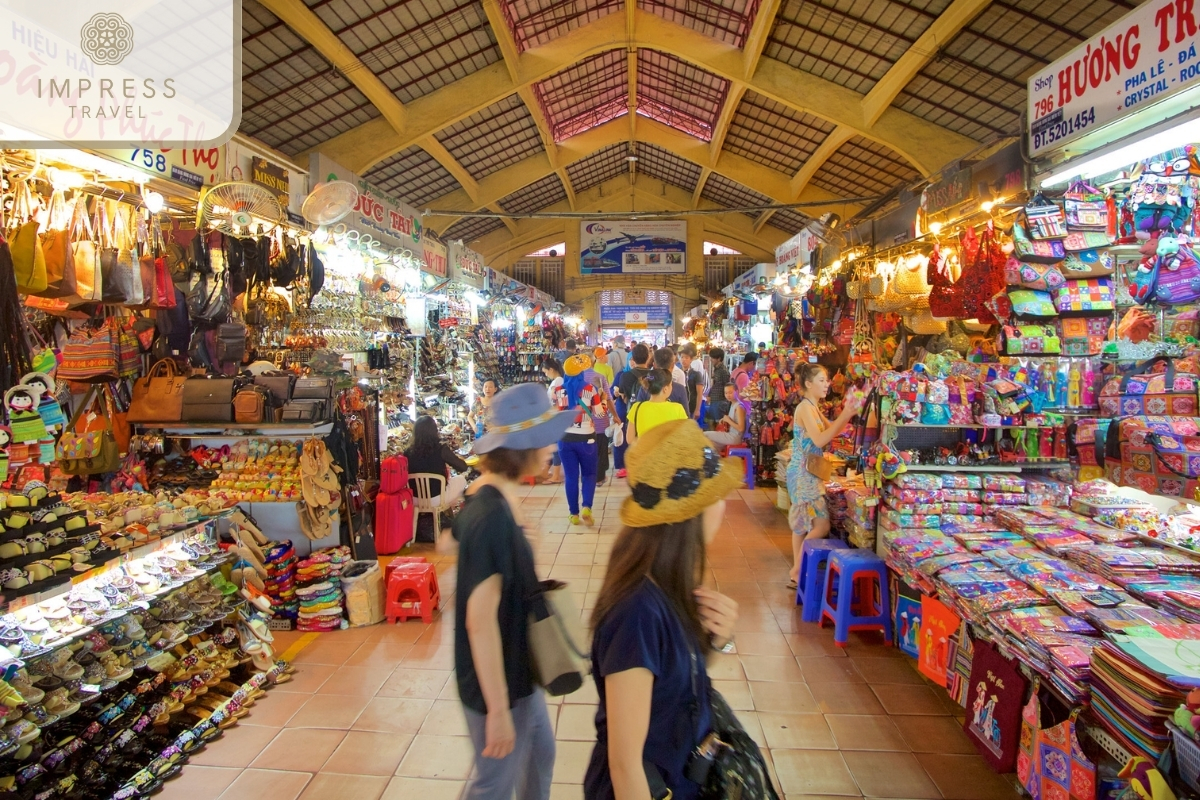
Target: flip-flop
[[792, 584]]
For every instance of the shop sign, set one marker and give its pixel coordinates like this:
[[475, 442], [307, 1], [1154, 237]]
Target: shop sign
[[377, 213], [1148, 55], [635, 316], [743, 283], [271, 177], [466, 266], [796, 250], [78, 75], [433, 254], [621, 246], [952, 190], [191, 166], [448, 322]]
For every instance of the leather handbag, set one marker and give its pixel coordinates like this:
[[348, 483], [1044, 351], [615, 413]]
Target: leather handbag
[[209, 399], [88, 453], [279, 384], [85, 257], [24, 243], [231, 342], [818, 466], [208, 300], [252, 404], [313, 389], [120, 277], [304, 411], [158, 397], [56, 246]]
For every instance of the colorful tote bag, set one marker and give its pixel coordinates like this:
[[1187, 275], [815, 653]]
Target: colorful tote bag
[[996, 694], [1155, 454], [1090, 294], [1142, 392], [1050, 763]]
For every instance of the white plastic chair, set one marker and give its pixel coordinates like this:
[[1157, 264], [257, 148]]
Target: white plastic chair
[[425, 501]]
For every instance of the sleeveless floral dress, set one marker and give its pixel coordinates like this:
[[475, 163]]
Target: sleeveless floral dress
[[805, 490]]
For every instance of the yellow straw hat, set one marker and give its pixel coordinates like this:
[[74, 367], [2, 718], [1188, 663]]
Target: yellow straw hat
[[675, 472]]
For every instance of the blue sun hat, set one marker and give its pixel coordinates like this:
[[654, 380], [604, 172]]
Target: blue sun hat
[[521, 418]]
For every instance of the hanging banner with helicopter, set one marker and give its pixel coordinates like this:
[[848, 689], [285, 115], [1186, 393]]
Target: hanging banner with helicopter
[[618, 246]]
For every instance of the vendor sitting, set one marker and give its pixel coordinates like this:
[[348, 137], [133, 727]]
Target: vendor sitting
[[427, 454]]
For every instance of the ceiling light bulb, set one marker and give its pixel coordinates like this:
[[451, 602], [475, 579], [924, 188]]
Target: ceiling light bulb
[[62, 179], [935, 227], [154, 202], [987, 205]]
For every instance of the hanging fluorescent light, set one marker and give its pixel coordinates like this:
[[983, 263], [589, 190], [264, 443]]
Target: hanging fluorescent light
[[1178, 136]]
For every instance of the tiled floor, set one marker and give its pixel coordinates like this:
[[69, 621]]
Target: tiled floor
[[373, 712]]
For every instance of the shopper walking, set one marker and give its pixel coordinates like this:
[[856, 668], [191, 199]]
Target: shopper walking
[[646, 415], [600, 364], [578, 449], [716, 385], [628, 383], [693, 380], [664, 359], [604, 418], [552, 369], [808, 516], [617, 359], [569, 347], [506, 712], [731, 428], [654, 623]]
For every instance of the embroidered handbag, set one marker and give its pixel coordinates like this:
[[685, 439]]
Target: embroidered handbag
[[1050, 763], [1045, 218], [90, 355], [1031, 340], [1047, 251], [962, 398], [1090, 294], [1045, 277], [91, 453], [945, 295], [1135, 450], [1086, 264], [1031, 303], [1178, 277], [983, 277], [1086, 208], [1085, 240], [1142, 392]]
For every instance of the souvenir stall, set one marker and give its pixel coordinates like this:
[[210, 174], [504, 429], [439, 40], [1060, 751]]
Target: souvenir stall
[[520, 328], [1030, 349], [123, 628]]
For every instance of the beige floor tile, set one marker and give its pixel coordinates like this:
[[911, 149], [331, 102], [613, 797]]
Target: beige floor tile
[[448, 757], [446, 718], [357, 681], [961, 777], [393, 715], [369, 753], [833, 670], [899, 699], [379, 655], [762, 644], [866, 732], [274, 709], [890, 775], [571, 760], [423, 789], [576, 723], [237, 748], [813, 772], [415, 683], [736, 693], [796, 731], [333, 786], [328, 711], [256, 784], [928, 734], [299, 750], [199, 782], [792, 698], [566, 791]]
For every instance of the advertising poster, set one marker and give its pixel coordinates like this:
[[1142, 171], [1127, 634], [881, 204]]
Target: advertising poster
[[615, 246]]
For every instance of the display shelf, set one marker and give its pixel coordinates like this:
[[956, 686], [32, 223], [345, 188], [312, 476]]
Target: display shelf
[[1007, 468], [208, 427]]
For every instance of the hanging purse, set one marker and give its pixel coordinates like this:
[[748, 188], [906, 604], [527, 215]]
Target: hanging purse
[[1045, 218], [116, 261], [90, 355], [85, 256], [56, 246], [1045, 277], [1086, 208], [24, 244], [1049, 251], [158, 397], [88, 453], [1031, 303], [945, 295], [1092, 294]]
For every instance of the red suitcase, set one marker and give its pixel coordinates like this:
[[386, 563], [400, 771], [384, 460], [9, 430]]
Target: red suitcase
[[394, 515]]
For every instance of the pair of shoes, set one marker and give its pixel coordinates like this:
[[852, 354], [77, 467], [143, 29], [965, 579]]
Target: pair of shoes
[[621, 473], [574, 519]]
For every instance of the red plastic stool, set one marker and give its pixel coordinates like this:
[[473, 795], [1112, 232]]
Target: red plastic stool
[[398, 560], [412, 591]]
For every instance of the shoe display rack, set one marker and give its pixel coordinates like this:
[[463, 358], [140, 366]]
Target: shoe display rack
[[108, 686]]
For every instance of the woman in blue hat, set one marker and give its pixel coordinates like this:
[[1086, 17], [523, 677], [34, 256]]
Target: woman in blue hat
[[505, 709]]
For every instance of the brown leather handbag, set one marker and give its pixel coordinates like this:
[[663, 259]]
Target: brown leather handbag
[[252, 404], [158, 397]]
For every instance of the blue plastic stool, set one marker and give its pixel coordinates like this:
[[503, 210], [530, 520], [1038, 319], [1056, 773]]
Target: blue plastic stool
[[856, 594], [747, 454], [813, 556]]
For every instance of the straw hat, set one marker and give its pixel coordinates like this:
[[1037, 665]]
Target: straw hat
[[675, 473], [521, 418]]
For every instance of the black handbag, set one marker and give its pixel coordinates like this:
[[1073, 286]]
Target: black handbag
[[304, 411], [209, 399], [313, 389], [208, 301], [279, 384], [231, 342]]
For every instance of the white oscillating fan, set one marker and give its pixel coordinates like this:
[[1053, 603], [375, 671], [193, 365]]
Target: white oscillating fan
[[329, 202], [233, 208]]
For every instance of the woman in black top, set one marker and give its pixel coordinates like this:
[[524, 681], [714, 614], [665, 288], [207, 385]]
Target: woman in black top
[[428, 455], [505, 709]]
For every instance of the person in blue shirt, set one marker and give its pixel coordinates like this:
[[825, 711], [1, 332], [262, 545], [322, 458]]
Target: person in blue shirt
[[654, 623]]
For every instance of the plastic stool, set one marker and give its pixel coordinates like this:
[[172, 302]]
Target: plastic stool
[[398, 560], [813, 557], [856, 594], [412, 591], [746, 454]]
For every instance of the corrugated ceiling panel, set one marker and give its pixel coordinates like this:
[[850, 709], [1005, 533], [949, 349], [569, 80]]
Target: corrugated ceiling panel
[[588, 94], [471, 228], [412, 175], [723, 191], [599, 167], [788, 220], [535, 22], [413, 46], [536, 196], [665, 166], [773, 134], [292, 98], [862, 168], [678, 94], [976, 85], [496, 137], [726, 21], [850, 42]]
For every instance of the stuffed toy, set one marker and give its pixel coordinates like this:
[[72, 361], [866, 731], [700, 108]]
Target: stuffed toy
[[1146, 781]]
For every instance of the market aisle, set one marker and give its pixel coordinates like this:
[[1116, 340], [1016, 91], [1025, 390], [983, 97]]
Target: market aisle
[[372, 713]]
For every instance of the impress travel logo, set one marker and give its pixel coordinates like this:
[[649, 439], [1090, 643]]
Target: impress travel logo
[[159, 74]]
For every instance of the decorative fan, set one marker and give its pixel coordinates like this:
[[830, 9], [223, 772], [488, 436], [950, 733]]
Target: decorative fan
[[232, 208], [329, 202]]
